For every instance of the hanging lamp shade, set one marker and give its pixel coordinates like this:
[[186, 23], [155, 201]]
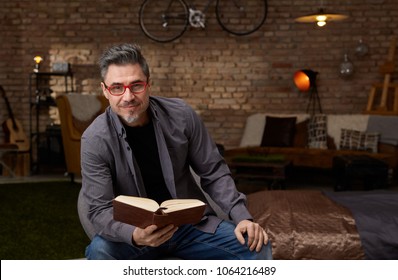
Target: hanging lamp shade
[[321, 18]]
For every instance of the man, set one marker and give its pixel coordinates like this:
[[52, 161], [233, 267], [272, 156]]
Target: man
[[146, 146]]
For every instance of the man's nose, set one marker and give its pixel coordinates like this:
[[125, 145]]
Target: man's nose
[[128, 94]]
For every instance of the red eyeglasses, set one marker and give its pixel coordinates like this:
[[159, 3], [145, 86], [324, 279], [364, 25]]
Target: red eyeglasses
[[119, 89]]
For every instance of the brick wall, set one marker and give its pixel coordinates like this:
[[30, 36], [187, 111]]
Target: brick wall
[[224, 77]]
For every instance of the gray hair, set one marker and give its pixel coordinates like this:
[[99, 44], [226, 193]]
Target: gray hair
[[121, 55]]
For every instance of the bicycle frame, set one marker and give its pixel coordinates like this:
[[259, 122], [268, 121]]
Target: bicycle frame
[[205, 8], [196, 17]]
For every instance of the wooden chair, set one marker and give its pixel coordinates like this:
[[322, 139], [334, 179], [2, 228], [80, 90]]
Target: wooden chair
[[383, 97]]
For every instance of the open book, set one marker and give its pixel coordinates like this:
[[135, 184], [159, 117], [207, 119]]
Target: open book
[[142, 212]]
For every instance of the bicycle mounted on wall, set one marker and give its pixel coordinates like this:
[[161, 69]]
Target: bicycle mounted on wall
[[167, 20]]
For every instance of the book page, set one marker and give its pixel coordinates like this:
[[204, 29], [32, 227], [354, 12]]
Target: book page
[[178, 204], [141, 202]]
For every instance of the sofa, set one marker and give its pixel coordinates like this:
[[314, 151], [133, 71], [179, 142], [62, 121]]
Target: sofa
[[313, 141], [76, 112]]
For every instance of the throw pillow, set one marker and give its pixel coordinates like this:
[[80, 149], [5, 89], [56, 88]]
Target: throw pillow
[[317, 132], [278, 132], [370, 142], [358, 140], [301, 134], [349, 139]]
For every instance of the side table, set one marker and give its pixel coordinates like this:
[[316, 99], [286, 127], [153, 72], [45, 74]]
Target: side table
[[273, 171], [371, 172]]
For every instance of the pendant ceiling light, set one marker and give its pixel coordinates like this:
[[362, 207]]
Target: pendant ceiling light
[[321, 18]]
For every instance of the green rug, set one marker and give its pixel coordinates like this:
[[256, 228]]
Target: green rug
[[39, 221]]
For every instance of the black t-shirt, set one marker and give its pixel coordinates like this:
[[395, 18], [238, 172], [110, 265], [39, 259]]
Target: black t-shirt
[[142, 141]]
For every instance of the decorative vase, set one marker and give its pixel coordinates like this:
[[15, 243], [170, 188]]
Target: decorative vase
[[361, 49], [346, 67]]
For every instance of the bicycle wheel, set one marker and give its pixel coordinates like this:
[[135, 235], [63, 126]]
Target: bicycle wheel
[[241, 17], [163, 20]]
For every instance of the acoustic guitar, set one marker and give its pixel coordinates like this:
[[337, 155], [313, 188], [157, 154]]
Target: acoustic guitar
[[13, 129]]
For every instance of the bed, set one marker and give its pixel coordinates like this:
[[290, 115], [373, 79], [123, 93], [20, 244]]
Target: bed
[[311, 224]]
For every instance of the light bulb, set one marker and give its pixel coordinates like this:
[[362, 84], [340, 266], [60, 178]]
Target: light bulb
[[38, 59], [321, 18]]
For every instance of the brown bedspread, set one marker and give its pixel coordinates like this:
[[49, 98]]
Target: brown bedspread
[[306, 224]]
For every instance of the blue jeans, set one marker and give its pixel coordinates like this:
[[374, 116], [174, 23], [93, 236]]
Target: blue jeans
[[186, 243]]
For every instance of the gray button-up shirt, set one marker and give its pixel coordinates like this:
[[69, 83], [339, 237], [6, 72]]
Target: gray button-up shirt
[[109, 168]]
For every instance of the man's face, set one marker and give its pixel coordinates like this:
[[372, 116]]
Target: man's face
[[130, 107]]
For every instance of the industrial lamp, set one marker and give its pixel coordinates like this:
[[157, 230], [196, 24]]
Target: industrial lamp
[[321, 18], [305, 81]]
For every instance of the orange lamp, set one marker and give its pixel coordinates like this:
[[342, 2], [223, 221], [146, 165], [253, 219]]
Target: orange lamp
[[305, 80]]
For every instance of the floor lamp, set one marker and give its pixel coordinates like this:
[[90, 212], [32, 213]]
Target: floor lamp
[[305, 81]]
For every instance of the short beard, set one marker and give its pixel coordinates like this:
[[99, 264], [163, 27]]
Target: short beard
[[131, 118]]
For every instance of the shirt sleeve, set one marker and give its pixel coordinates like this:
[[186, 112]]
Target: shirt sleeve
[[210, 166], [98, 189]]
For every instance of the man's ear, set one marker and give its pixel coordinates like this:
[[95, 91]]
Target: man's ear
[[104, 90]]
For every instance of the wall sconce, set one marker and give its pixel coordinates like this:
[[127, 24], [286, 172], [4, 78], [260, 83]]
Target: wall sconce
[[38, 60], [305, 81]]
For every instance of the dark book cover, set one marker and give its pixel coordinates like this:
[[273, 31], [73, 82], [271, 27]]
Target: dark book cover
[[142, 218]]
